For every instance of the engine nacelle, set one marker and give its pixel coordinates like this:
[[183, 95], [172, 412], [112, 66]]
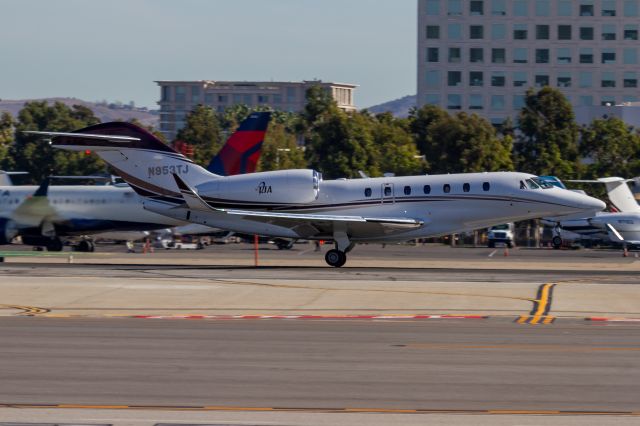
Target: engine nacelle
[[7, 231], [280, 187]]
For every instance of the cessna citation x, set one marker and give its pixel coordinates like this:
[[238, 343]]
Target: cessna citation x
[[45, 215], [299, 204]]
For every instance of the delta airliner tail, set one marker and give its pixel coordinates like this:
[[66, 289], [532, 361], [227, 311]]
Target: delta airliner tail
[[242, 151]]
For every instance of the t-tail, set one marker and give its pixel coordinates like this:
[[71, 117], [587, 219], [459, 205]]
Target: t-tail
[[148, 164], [619, 193]]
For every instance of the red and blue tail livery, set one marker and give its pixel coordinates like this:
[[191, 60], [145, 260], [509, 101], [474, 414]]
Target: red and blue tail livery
[[242, 151]]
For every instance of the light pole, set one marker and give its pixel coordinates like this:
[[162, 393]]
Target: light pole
[[278, 155]]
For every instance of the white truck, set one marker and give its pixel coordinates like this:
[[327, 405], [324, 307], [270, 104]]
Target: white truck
[[501, 234]]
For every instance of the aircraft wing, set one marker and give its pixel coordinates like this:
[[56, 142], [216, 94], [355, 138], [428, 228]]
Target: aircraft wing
[[307, 224]]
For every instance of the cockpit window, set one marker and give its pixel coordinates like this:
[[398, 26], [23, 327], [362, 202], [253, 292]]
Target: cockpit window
[[532, 185], [541, 183]]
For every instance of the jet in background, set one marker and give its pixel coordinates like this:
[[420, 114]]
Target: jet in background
[[299, 204], [621, 227], [50, 215]]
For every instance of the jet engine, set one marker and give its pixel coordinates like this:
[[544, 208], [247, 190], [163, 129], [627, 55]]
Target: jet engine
[[7, 231], [277, 187]]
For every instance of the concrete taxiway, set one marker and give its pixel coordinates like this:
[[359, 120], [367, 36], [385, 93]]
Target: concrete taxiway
[[199, 336]]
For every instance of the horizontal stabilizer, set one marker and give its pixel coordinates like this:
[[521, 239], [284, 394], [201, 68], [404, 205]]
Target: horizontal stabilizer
[[112, 138], [193, 200], [615, 232]]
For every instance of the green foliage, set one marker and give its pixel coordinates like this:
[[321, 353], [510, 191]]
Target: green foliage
[[32, 154], [280, 150], [6, 138], [342, 144], [202, 130], [467, 143], [157, 133], [614, 148], [459, 144], [397, 153], [420, 120], [548, 137]]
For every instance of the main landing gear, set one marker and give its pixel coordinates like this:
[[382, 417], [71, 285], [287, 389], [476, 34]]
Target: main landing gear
[[556, 241], [337, 257]]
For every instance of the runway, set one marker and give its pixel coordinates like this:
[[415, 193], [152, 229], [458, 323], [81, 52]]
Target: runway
[[136, 343], [322, 365]]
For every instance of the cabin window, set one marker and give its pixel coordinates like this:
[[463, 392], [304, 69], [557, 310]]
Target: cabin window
[[387, 191], [446, 188], [486, 186], [466, 187], [407, 190], [427, 189], [367, 192]]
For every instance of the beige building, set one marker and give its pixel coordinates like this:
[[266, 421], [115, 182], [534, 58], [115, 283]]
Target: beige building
[[482, 55], [177, 98]]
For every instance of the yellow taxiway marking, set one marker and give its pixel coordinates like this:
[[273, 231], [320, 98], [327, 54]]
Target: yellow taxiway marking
[[541, 307], [27, 310]]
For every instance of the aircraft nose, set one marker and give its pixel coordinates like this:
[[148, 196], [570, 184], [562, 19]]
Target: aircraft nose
[[590, 203]]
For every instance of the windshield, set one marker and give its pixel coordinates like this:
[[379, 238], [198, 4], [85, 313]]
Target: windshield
[[541, 183], [552, 180], [505, 226]]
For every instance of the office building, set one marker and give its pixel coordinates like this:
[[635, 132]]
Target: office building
[[482, 55], [177, 98]]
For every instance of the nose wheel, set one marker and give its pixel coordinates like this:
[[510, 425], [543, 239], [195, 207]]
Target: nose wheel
[[335, 258]]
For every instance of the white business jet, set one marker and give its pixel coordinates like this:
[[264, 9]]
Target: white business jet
[[299, 204], [621, 227]]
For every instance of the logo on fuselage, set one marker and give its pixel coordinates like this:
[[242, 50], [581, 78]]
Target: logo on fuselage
[[263, 188]]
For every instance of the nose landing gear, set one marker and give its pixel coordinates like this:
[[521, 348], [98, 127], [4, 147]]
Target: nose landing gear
[[335, 258]]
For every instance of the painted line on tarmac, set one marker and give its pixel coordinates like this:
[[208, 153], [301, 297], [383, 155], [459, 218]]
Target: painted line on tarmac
[[320, 410], [308, 317], [29, 311], [276, 317], [601, 319], [541, 307]]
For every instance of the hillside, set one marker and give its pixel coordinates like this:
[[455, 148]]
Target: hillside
[[399, 107], [104, 111]]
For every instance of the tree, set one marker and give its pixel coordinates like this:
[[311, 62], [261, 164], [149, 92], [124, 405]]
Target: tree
[[341, 144], [419, 121], [32, 154], [613, 146], [467, 143], [6, 138], [548, 139], [280, 150], [397, 150], [157, 133], [202, 130]]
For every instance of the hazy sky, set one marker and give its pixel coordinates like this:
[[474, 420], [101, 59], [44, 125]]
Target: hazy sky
[[115, 49]]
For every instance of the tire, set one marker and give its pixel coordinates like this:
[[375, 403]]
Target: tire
[[492, 244], [556, 242], [335, 258]]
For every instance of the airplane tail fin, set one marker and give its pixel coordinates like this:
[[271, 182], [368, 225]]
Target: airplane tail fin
[[619, 193], [241, 152], [139, 157]]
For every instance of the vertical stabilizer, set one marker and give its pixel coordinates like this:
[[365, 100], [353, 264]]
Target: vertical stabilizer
[[620, 195]]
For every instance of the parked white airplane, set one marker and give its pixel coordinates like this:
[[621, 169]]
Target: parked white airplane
[[299, 204], [620, 227], [44, 215]]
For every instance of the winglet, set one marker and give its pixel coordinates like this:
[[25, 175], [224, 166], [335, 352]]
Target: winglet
[[193, 200]]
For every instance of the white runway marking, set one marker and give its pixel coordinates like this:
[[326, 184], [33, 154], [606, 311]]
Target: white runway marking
[[492, 253]]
